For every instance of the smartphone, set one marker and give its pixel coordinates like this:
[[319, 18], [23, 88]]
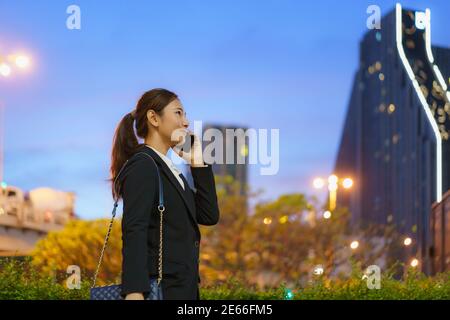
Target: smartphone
[[188, 143]]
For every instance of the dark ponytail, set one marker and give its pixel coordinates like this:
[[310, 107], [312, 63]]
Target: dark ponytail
[[125, 142]]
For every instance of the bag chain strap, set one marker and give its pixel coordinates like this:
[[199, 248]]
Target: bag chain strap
[[161, 209]]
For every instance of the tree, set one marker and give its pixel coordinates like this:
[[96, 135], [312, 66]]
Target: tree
[[79, 243]]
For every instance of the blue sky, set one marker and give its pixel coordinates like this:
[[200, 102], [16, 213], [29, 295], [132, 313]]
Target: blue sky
[[262, 64]]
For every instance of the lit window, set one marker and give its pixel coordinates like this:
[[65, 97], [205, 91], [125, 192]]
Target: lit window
[[378, 36], [395, 138], [378, 65], [391, 108]]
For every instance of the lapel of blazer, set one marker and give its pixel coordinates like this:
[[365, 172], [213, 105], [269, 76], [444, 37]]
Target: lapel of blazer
[[168, 173]]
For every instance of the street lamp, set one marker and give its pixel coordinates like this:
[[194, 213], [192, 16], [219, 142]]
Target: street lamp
[[354, 245], [407, 241], [333, 182], [414, 263], [20, 61], [5, 70], [347, 183], [318, 183]]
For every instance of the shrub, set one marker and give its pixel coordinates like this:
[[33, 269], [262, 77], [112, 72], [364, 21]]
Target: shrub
[[21, 280]]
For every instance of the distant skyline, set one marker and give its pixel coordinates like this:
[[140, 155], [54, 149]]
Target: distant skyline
[[259, 64]]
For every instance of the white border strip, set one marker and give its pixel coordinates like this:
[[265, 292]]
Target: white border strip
[[431, 120]]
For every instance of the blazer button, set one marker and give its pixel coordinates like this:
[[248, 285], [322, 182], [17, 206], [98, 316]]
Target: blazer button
[[196, 243]]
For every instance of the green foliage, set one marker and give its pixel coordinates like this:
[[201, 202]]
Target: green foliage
[[21, 280], [270, 253]]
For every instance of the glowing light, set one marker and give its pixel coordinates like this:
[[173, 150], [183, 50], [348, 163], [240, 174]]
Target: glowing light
[[378, 65], [318, 183], [332, 187], [267, 220], [289, 295], [333, 179], [381, 76], [284, 219], [409, 71], [354, 245], [5, 70], [22, 61], [407, 241], [327, 214], [347, 183], [391, 108], [414, 263]]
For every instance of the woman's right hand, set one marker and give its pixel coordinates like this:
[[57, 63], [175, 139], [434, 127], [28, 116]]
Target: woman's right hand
[[134, 296]]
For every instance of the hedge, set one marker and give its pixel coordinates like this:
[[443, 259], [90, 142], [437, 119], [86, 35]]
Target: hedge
[[19, 280]]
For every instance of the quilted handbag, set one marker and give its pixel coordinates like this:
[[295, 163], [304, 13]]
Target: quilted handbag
[[112, 292]]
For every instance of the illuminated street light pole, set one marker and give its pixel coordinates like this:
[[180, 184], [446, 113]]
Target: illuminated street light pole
[[333, 182], [332, 188]]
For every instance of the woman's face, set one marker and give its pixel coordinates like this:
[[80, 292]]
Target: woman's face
[[173, 124]]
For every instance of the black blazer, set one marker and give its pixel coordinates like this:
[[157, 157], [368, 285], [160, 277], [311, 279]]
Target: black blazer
[[185, 210]]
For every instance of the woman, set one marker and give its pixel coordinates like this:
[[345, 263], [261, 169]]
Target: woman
[[159, 117]]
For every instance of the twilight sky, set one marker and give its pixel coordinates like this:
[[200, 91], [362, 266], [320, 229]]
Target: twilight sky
[[261, 64]]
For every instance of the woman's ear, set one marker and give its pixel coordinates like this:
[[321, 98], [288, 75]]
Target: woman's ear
[[152, 118]]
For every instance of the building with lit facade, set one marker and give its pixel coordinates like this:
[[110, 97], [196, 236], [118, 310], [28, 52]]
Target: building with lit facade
[[395, 140], [232, 158]]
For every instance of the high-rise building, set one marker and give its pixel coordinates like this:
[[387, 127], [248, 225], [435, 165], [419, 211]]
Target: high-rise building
[[395, 141], [231, 156]]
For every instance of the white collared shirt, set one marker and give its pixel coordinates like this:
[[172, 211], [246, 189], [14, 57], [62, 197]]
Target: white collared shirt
[[176, 172]]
